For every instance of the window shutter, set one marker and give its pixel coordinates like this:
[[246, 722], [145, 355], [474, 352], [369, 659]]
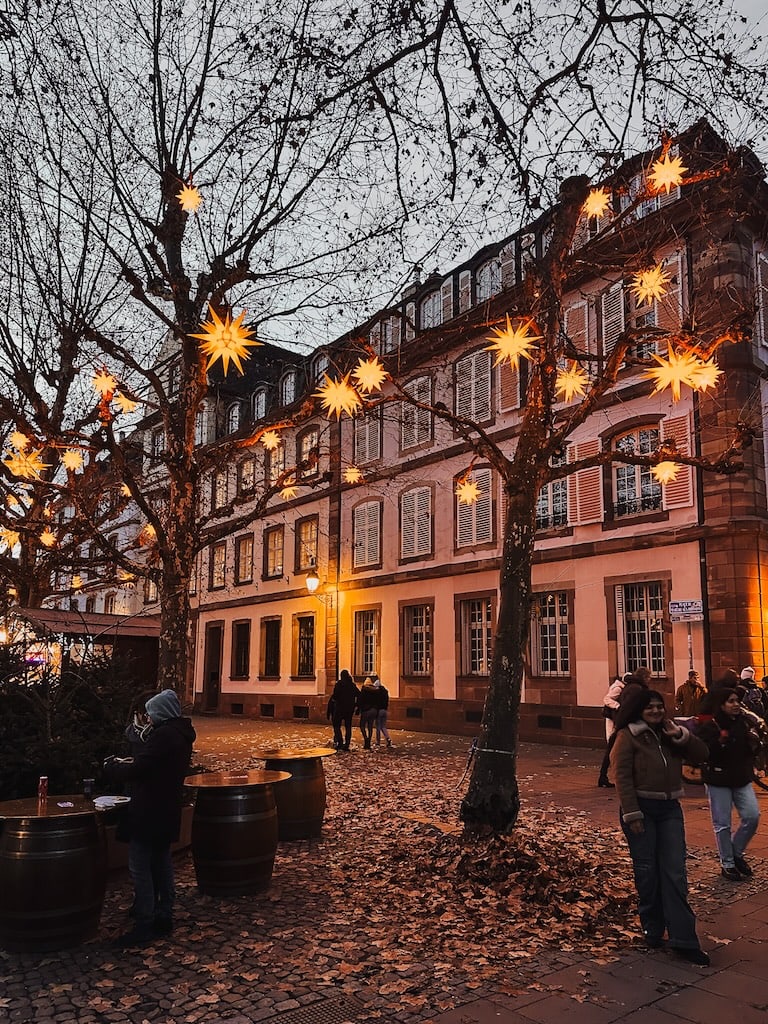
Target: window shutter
[[679, 493], [424, 521], [375, 338], [509, 386], [507, 257], [474, 523], [613, 316], [465, 290], [669, 309], [366, 530], [473, 386], [585, 487], [410, 321], [396, 329], [415, 515], [446, 299], [581, 235], [408, 525], [368, 437], [761, 280], [575, 324], [464, 387]]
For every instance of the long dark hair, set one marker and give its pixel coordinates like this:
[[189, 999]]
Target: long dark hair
[[632, 709]]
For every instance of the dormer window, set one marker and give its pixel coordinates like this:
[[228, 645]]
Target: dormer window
[[431, 311], [233, 418], [259, 405], [288, 388], [488, 280], [320, 366]]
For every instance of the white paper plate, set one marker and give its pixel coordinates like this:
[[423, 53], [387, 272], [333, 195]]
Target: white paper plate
[[103, 802]]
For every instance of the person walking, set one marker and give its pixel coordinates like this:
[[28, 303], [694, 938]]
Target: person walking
[[341, 708], [689, 696], [752, 696], [646, 762], [728, 773], [156, 776], [368, 702], [382, 711], [611, 703]]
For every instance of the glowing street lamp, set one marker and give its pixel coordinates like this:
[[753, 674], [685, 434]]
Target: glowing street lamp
[[312, 581]]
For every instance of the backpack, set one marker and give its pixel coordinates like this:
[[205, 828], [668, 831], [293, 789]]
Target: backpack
[[753, 701]]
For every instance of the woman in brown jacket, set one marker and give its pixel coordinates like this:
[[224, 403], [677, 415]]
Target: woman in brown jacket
[[647, 761]]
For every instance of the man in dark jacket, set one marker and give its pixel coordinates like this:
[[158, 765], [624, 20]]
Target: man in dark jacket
[[341, 708], [156, 774]]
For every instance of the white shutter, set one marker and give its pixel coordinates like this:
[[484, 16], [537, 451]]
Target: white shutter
[[576, 325], [408, 524], [585, 487], [679, 493], [507, 257], [509, 386], [581, 235], [416, 522], [446, 299], [761, 281], [366, 529], [374, 338], [612, 303], [474, 523], [669, 309], [464, 386], [367, 437], [473, 386], [410, 321], [396, 330], [465, 290], [424, 521]]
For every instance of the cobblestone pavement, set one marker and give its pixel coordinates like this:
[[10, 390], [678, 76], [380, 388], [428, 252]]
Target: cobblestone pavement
[[331, 943]]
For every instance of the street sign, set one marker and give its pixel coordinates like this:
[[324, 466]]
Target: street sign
[[686, 611]]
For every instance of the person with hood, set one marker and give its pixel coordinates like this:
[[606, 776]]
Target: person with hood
[[689, 696], [647, 761], [341, 708], [156, 775], [728, 773], [382, 711], [368, 702], [752, 696]]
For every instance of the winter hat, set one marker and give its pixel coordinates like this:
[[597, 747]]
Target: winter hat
[[368, 681], [163, 706], [747, 673], [377, 681]]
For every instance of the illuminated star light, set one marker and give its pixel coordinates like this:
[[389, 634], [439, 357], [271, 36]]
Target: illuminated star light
[[126, 490], [338, 396], [467, 491], [48, 537], [369, 375], [189, 198], [77, 582], [705, 375], [651, 284], [289, 489], [225, 339], [512, 342], [104, 383], [72, 459], [571, 382], [596, 202], [672, 373], [8, 537], [353, 475], [271, 440], [667, 173], [19, 441], [125, 404], [27, 465], [665, 472], [148, 535]]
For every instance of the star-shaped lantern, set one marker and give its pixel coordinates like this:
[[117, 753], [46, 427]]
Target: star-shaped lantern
[[289, 489], [77, 582], [571, 382], [681, 368], [225, 339], [338, 396], [124, 403], [8, 537], [148, 535], [48, 537], [667, 173], [271, 440], [369, 375], [596, 202], [353, 475], [467, 491], [28, 465], [665, 472], [72, 459], [189, 198], [19, 441], [512, 342], [104, 383], [125, 490], [705, 374], [651, 284]]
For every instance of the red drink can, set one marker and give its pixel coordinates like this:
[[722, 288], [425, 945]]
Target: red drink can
[[42, 788]]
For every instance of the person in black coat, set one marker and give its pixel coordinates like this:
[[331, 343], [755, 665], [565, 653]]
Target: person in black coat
[[341, 708], [728, 774], [156, 775]]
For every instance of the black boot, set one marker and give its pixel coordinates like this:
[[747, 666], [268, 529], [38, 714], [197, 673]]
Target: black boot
[[605, 783]]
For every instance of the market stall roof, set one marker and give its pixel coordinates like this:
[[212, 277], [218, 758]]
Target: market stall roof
[[90, 624]]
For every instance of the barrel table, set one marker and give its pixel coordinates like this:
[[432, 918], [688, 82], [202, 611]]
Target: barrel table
[[234, 830], [300, 802], [53, 873]]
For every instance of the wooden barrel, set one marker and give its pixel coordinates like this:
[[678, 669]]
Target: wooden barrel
[[53, 873], [301, 800], [234, 839]]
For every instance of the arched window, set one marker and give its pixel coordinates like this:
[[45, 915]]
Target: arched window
[[200, 427], [288, 388], [320, 366], [488, 279], [431, 311], [233, 418], [259, 404], [635, 489]]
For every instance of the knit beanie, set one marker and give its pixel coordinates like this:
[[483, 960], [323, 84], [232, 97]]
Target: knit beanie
[[748, 672], [163, 706]]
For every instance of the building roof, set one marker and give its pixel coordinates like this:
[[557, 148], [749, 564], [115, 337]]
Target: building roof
[[90, 624]]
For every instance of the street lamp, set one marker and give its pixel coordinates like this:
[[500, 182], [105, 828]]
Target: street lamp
[[312, 581]]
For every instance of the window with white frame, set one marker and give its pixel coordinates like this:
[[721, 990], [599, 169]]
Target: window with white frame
[[473, 386], [244, 558], [307, 452], [417, 640], [246, 476], [274, 543], [366, 654], [416, 522], [474, 523], [217, 566], [366, 534], [552, 502], [488, 279], [476, 633], [259, 404], [320, 366], [306, 544], [640, 613], [416, 423], [109, 604], [288, 388], [550, 635], [431, 310], [635, 489], [233, 418], [367, 437], [275, 464]]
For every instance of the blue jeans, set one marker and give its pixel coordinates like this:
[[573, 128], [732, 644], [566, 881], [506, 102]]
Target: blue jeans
[[381, 726], [721, 799], [658, 859], [151, 872]]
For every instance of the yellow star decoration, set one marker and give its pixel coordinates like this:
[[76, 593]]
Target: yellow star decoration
[[467, 491], [289, 489], [126, 578], [667, 173], [72, 459], [271, 440], [28, 465], [665, 472], [77, 582], [679, 369], [705, 375], [596, 202], [648, 285], [19, 441], [189, 198], [148, 535], [126, 490], [338, 396], [8, 537], [571, 382], [126, 404], [512, 342], [225, 339], [353, 475], [369, 375], [48, 537], [104, 383]]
